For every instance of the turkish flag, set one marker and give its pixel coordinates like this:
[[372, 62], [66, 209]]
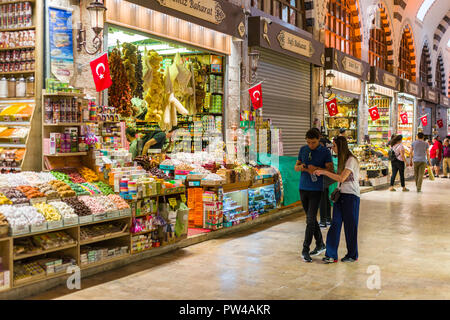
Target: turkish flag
[[440, 123], [100, 72], [374, 113], [404, 117], [332, 107], [256, 96], [424, 120]]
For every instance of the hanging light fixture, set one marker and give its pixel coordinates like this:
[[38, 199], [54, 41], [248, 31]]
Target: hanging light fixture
[[325, 90], [97, 14], [253, 62], [372, 91]]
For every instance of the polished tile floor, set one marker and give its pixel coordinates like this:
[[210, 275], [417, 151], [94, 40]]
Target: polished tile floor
[[404, 245]]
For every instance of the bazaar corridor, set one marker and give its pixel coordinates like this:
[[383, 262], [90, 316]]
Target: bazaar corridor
[[404, 242]]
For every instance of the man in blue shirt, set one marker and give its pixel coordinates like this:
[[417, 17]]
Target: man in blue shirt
[[310, 158]]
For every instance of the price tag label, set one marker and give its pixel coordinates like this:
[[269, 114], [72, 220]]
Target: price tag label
[[183, 198], [173, 202]]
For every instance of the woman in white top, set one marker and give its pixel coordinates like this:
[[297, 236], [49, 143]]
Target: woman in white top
[[399, 163], [346, 209]]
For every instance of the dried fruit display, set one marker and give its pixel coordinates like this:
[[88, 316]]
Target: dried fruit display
[[139, 91], [154, 85], [130, 60], [119, 94]]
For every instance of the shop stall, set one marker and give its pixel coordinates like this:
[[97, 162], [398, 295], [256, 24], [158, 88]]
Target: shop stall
[[349, 75], [407, 100], [428, 107], [287, 56], [381, 92], [442, 117]]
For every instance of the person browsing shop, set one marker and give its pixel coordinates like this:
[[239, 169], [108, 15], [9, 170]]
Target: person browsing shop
[[312, 157], [398, 161], [130, 133], [346, 207], [420, 156], [153, 140], [436, 155], [446, 155]]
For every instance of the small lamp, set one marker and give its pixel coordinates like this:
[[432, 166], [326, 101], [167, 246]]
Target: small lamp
[[97, 13], [329, 80], [253, 61]]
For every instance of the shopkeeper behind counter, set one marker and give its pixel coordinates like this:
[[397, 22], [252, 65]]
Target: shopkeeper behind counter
[[157, 139]]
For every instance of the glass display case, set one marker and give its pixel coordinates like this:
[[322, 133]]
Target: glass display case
[[261, 199], [235, 207]]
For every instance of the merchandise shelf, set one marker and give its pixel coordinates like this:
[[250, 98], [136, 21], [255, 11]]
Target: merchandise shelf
[[142, 232], [24, 256], [119, 235], [67, 154], [63, 94], [16, 48], [95, 264], [64, 124], [43, 278], [16, 72]]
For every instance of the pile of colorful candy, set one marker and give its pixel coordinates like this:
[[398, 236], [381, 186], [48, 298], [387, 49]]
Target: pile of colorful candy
[[31, 192], [62, 188], [78, 206], [61, 176], [16, 196], [104, 188], [79, 190], [93, 204], [22, 216], [4, 200], [64, 209], [106, 203], [88, 174], [48, 211], [47, 189], [119, 202]]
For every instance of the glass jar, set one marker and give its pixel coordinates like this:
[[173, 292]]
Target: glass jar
[[30, 86], [3, 87], [21, 87], [12, 87]]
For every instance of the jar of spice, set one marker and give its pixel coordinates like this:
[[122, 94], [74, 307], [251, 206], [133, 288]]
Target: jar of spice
[[20, 87], [3, 87], [12, 87], [30, 86]]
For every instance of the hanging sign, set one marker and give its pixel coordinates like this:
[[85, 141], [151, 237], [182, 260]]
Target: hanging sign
[[100, 72], [208, 10], [291, 42], [374, 114], [424, 120], [413, 88], [256, 96], [440, 123], [61, 44], [332, 107], [389, 80], [352, 65], [404, 117]]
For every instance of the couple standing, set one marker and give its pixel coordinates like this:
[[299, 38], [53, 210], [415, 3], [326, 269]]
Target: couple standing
[[314, 161]]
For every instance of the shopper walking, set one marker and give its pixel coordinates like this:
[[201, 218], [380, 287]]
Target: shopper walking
[[436, 155], [346, 208], [446, 154], [398, 162], [325, 203], [312, 157], [420, 156]]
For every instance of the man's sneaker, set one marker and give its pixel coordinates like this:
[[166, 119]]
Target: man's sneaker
[[405, 189], [306, 257], [391, 189], [348, 259], [329, 260], [322, 225], [445, 177], [318, 250]]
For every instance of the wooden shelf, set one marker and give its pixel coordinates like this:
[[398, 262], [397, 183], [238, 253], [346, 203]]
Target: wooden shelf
[[95, 264], [15, 123], [64, 124], [17, 29], [63, 94], [16, 72], [143, 232], [105, 220], [122, 234], [43, 231], [5, 239], [16, 1], [262, 185], [18, 99], [16, 48], [68, 154], [7, 145], [24, 256], [57, 275]]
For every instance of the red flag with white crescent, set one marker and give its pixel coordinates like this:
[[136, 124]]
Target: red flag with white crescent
[[256, 96], [100, 72], [404, 117], [332, 107], [424, 120], [374, 114], [440, 123]]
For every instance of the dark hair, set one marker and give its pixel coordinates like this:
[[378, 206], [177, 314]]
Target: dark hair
[[420, 135], [130, 131], [396, 139], [173, 129], [313, 133], [342, 130], [343, 152]]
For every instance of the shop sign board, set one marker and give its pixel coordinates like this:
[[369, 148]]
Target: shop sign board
[[219, 15], [384, 78], [282, 38], [444, 101], [430, 95], [411, 88], [342, 62]]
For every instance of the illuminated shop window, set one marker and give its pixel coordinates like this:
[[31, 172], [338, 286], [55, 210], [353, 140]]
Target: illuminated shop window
[[406, 69], [290, 11]]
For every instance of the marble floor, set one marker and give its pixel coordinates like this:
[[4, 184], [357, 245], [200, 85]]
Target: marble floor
[[404, 247]]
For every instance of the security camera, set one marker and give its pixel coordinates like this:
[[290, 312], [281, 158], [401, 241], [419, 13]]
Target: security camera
[[267, 20]]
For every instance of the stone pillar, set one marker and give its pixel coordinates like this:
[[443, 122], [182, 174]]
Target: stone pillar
[[233, 91], [363, 114]]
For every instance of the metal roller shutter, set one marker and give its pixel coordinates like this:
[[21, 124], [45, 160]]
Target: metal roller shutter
[[286, 97]]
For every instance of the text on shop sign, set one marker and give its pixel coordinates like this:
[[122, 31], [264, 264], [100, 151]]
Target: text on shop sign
[[208, 10], [351, 65], [389, 80], [295, 44]]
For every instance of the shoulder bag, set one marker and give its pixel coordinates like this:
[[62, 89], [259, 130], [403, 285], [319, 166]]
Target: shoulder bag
[[336, 194]]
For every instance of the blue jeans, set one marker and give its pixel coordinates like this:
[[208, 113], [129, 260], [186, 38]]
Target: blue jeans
[[345, 210]]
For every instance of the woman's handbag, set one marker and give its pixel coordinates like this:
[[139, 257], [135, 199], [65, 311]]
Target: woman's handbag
[[336, 194]]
